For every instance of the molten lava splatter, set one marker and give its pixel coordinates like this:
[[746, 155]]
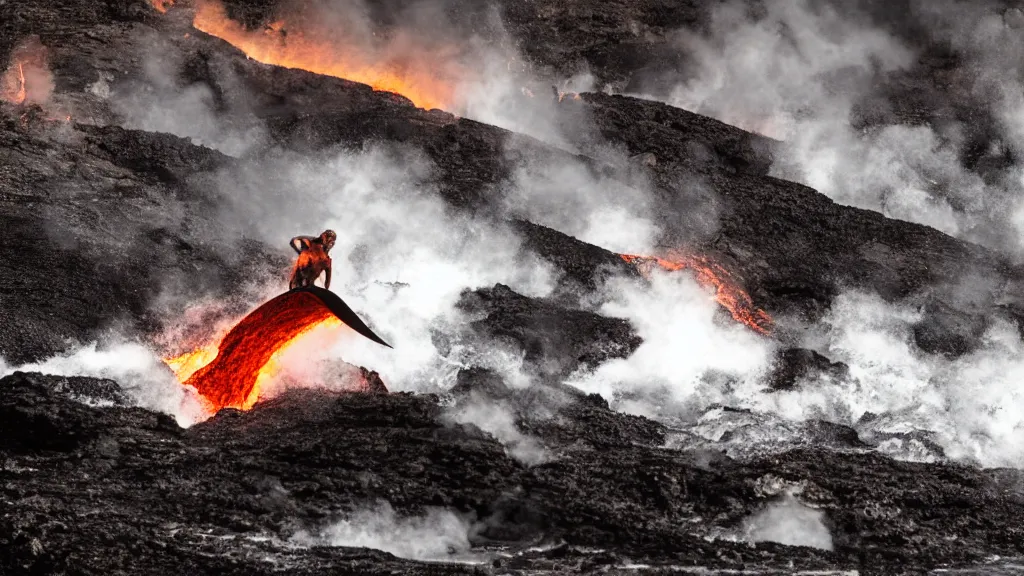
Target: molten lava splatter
[[231, 373], [727, 291], [424, 77]]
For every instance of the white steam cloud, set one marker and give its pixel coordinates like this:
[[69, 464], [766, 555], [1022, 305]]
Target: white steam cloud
[[687, 356], [142, 375], [438, 535], [798, 72]]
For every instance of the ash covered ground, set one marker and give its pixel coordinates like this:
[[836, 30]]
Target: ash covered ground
[[810, 360]]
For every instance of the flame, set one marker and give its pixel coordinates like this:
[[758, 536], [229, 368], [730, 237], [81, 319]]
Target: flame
[[564, 95], [418, 76], [161, 6], [727, 292]]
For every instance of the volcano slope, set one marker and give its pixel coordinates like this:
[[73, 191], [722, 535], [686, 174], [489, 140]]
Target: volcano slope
[[94, 486]]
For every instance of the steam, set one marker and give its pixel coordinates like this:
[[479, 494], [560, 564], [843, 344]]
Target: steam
[[689, 357], [158, 102], [807, 74], [438, 535], [402, 257], [141, 374], [499, 422], [565, 195], [966, 405], [788, 522]]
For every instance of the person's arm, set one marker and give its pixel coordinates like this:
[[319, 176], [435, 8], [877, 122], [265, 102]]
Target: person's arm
[[327, 276], [300, 243]]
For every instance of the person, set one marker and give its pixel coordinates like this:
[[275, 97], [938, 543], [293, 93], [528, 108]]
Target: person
[[313, 259]]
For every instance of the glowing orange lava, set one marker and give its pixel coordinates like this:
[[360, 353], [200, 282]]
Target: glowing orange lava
[[27, 79], [12, 84], [422, 76], [161, 6], [229, 374], [727, 292]]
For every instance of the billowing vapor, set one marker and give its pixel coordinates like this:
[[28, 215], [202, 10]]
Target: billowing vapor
[[808, 74], [690, 356], [438, 535], [142, 375], [966, 405]]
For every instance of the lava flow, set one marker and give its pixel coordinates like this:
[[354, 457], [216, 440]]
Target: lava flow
[[414, 72], [230, 374], [727, 293]]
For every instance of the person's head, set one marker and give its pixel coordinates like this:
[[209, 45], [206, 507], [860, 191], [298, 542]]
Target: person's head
[[327, 239]]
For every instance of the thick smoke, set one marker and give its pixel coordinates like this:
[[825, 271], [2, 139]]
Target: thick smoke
[[436, 536]]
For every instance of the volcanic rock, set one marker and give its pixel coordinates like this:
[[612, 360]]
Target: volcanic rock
[[796, 364]]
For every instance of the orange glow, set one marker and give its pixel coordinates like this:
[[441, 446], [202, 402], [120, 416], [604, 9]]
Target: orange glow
[[426, 77], [27, 79], [161, 6], [727, 291], [564, 95], [230, 373], [12, 84]]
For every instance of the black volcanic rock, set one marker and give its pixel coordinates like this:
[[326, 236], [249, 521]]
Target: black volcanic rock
[[299, 460], [97, 219], [795, 364], [556, 340]]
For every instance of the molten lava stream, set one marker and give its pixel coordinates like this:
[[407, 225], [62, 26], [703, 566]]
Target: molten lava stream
[[230, 374], [416, 76], [727, 293]]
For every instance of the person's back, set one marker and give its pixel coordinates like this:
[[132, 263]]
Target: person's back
[[313, 259]]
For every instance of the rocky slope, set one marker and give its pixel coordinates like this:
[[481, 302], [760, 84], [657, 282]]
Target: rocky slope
[[94, 486]]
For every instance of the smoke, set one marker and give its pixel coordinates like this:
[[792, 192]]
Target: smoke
[[162, 100], [499, 422], [815, 77], [788, 522], [564, 194], [436, 536], [966, 405], [690, 357], [143, 376], [402, 258]]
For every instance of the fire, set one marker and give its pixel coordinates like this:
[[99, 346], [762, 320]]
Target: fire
[[564, 95], [161, 6], [727, 292], [415, 73]]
